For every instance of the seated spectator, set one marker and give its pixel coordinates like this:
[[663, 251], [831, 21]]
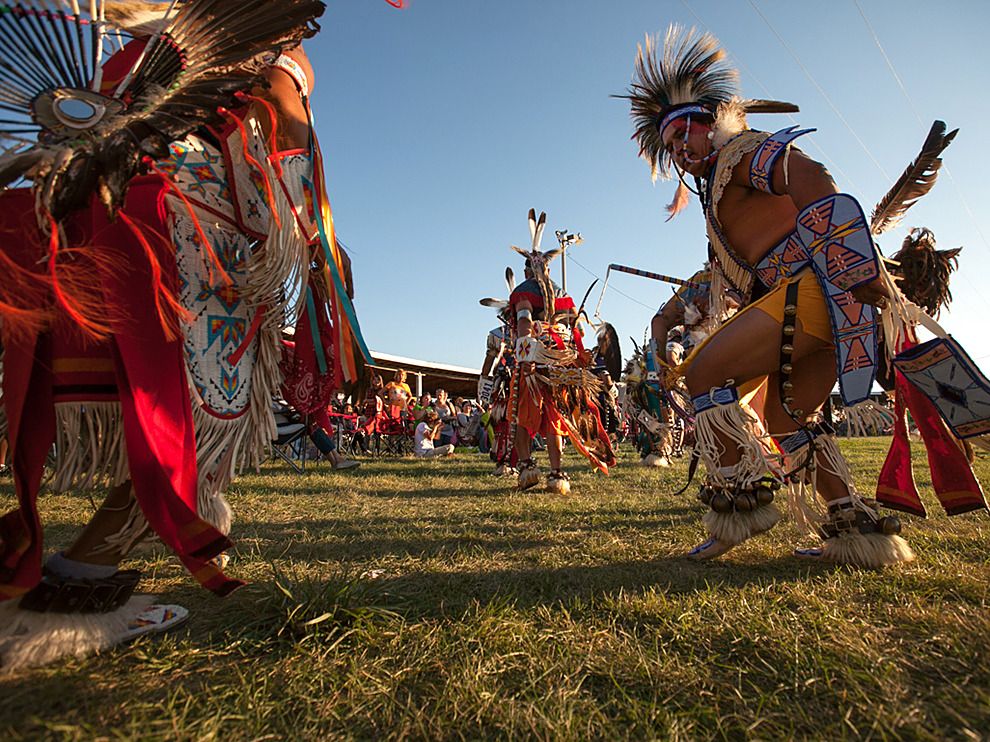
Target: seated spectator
[[476, 412], [352, 424], [447, 415], [319, 429], [426, 432], [287, 420], [321, 432], [308, 392], [487, 429], [420, 408], [468, 425]]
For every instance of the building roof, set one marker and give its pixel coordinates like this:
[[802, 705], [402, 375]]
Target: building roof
[[427, 376]]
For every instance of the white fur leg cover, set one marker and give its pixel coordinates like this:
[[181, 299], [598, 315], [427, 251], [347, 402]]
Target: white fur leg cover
[[870, 550], [719, 418], [30, 639], [853, 547], [558, 485], [653, 459], [734, 528], [529, 476], [853, 530]]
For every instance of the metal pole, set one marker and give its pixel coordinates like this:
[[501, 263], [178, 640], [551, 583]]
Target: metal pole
[[565, 238]]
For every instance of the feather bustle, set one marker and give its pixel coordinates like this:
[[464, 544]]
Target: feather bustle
[[209, 51], [923, 272]]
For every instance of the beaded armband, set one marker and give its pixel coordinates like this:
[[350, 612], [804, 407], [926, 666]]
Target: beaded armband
[[765, 156], [290, 66]]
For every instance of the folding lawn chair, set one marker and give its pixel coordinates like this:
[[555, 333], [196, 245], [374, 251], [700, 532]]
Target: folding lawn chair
[[291, 442]]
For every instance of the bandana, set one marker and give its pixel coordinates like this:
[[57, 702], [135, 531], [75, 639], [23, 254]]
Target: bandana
[[664, 121]]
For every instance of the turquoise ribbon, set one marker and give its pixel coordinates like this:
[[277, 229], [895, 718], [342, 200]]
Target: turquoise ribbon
[[324, 240], [321, 359]]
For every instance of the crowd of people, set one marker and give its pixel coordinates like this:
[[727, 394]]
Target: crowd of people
[[433, 424], [452, 423]]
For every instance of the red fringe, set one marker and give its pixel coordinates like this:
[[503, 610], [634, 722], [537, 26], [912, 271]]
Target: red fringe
[[25, 298], [76, 305], [273, 138], [163, 297]]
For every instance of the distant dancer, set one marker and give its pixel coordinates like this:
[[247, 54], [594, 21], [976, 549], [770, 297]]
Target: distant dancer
[[552, 387]]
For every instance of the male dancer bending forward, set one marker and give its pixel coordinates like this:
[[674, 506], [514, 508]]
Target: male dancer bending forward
[[800, 255]]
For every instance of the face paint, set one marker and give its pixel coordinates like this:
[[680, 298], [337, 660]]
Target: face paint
[[680, 126]]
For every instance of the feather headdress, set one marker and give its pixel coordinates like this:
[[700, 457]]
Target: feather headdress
[[539, 262], [75, 126], [691, 69]]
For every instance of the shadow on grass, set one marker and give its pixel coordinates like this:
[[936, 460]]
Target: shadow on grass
[[366, 540], [449, 593], [446, 592], [252, 617]]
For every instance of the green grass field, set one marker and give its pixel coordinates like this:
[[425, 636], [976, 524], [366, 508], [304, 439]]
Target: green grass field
[[427, 600]]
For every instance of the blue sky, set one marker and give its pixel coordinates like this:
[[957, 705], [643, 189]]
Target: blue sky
[[444, 123]]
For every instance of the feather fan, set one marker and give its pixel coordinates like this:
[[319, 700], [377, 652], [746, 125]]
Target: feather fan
[[91, 135], [915, 181]]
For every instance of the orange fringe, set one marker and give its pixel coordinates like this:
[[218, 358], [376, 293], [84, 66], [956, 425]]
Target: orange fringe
[[682, 196]]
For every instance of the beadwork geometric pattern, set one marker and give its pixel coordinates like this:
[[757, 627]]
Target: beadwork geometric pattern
[[944, 373], [832, 237]]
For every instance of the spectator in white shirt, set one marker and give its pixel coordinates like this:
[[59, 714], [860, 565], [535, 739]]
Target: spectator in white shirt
[[426, 431]]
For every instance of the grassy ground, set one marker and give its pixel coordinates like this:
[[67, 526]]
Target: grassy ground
[[426, 600]]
